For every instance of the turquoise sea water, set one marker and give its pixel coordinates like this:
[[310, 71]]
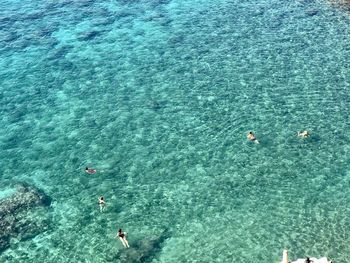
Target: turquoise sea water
[[158, 96]]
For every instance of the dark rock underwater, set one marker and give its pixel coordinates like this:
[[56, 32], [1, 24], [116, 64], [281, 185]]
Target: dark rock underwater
[[15, 211]]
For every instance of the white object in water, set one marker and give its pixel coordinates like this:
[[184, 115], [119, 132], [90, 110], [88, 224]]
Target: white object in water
[[285, 256], [313, 260], [302, 260]]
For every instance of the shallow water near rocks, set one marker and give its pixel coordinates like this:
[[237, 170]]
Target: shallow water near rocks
[[158, 96]]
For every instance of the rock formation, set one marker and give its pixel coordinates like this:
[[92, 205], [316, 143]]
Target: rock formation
[[342, 3], [14, 220]]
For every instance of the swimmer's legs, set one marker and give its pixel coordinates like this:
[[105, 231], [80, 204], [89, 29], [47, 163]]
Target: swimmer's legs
[[123, 242], [126, 242]]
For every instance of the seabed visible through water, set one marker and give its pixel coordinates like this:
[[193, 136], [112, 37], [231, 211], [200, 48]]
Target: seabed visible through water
[[158, 96]]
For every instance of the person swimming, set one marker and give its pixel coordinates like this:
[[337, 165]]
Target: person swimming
[[303, 134], [122, 238], [251, 137], [90, 170], [102, 203]]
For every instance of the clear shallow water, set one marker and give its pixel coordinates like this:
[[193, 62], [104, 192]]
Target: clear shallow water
[[158, 96]]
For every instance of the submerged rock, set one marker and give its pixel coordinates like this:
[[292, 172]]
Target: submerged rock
[[14, 219], [312, 12], [25, 197], [155, 105], [344, 4], [89, 35]]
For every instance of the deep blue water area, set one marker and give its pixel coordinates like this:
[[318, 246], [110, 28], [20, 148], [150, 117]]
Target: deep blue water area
[[158, 96]]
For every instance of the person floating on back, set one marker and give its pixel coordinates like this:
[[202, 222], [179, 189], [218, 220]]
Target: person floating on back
[[122, 238], [90, 170], [251, 137], [303, 134], [102, 203]]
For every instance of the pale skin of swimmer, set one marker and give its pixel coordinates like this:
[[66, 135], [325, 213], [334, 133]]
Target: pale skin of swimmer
[[102, 203], [251, 137], [303, 134], [90, 170]]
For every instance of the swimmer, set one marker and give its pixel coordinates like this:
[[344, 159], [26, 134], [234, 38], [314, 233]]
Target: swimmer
[[303, 134], [251, 137], [122, 238], [102, 203], [90, 170]]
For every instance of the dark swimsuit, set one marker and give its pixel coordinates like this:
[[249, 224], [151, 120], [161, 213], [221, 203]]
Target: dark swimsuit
[[121, 235]]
